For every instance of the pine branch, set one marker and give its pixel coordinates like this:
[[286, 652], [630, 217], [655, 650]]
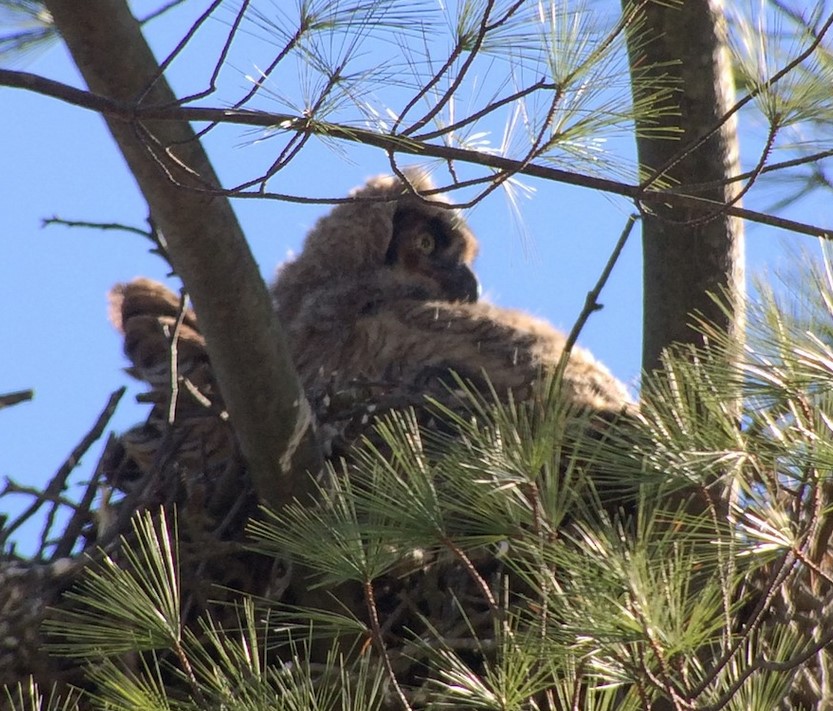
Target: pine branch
[[127, 112]]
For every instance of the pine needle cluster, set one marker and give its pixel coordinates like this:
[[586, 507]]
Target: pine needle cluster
[[512, 557]]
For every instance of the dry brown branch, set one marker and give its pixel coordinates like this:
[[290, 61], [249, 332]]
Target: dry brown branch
[[9, 399], [53, 490], [105, 226], [170, 5], [83, 512], [150, 233], [591, 301]]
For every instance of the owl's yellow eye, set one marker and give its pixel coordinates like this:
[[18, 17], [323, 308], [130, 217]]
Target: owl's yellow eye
[[425, 243]]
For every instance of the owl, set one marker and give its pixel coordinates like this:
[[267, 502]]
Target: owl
[[381, 295], [383, 292]]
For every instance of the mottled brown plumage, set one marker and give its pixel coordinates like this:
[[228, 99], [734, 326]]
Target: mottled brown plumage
[[187, 423], [379, 308], [361, 239]]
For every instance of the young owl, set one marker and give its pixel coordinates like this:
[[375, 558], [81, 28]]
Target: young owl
[[382, 294]]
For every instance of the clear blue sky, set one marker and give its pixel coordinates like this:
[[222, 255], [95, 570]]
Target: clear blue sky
[[60, 160]]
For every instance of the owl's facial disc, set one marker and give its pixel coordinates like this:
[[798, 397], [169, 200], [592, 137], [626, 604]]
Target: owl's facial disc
[[430, 251]]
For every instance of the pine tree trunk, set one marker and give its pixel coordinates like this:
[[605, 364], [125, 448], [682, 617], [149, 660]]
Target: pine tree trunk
[[688, 254]]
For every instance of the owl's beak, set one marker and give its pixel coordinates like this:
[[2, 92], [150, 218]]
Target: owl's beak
[[465, 284]]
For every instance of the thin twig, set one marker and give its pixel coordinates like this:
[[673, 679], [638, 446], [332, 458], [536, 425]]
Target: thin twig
[[159, 246], [784, 570], [478, 580], [761, 663], [173, 360], [160, 11], [58, 482], [83, 512], [9, 399], [591, 301], [55, 220], [458, 50], [373, 614], [192, 30], [13, 488], [756, 172], [264, 74], [73, 460]]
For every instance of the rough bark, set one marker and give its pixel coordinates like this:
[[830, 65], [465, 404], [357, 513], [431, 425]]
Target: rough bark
[[206, 246], [688, 253]]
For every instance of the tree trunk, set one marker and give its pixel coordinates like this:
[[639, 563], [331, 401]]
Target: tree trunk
[[207, 248], [688, 254]]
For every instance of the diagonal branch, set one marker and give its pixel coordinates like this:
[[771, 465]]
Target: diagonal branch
[[207, 249]]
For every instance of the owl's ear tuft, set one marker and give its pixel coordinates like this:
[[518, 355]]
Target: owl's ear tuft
[[146, 313]]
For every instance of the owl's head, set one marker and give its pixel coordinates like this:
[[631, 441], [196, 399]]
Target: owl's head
[[389, 229]]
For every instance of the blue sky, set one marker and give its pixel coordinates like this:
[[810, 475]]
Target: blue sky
[[59, 160]]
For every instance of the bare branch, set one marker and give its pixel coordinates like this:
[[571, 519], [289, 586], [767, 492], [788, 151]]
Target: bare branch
[[56, 486], [159, 246], [9, 399], [104, 226], [591, 301], [82, 514], [179, 47], [170, 5]]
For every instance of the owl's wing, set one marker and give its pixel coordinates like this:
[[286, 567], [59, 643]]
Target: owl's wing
[[405, 343], [407, 340]]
